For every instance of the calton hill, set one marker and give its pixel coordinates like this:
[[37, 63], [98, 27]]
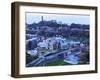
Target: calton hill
[[51, 43]]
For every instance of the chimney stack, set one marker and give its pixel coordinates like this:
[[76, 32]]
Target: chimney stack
[[42, 18]]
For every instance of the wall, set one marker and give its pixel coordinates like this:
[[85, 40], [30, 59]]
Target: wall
[[5, 40]]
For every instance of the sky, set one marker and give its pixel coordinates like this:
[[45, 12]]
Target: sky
[[68, 18]]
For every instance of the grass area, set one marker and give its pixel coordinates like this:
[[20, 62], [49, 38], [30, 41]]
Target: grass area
[[57, 63]]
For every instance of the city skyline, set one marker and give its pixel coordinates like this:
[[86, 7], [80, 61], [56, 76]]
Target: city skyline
[[64, 19]]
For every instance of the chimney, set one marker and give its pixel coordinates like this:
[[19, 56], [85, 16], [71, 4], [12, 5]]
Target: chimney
[[42, 18]]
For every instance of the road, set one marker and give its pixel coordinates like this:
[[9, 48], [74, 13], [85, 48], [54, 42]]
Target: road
[[45, 58]]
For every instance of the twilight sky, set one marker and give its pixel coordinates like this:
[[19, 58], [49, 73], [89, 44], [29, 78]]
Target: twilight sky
[[78, 19]]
